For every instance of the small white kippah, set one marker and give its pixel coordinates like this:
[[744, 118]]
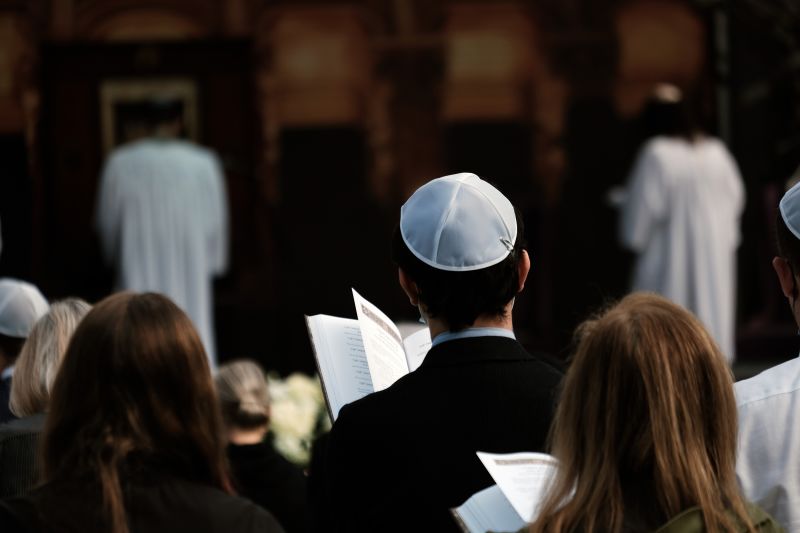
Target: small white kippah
[[458, 223], [21, 305]]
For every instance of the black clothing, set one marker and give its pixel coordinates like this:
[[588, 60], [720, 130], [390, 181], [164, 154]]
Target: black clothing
[[160, 504], [19, 455], [5, 396], [399, 459], [268, 479]]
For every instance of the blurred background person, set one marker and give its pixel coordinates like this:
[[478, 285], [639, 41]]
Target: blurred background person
[[681, 216], [21, 305], [645, 431], [133, 439], [162, 215], [34, 374], [260, 473]]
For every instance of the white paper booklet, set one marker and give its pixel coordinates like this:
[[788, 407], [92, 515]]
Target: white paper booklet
[[488, 510], [522, 478], [357, 357]]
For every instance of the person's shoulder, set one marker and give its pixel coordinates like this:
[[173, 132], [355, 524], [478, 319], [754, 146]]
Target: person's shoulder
[[10, 520], [691, 521], [761, 520], [661, 146], [192, 149], [779, 382], [225, 511], [27, 425]]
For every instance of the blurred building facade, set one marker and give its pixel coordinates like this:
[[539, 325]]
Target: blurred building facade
[[327, 114]]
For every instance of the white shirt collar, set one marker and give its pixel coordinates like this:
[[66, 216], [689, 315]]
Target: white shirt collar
[[472, 332]]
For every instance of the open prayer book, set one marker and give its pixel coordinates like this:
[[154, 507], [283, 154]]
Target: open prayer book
[[523, 480], [358, 356]]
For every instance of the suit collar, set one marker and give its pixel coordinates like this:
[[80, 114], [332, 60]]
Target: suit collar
[[474, 349]]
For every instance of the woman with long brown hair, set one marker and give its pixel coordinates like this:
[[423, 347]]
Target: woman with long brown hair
[[134, 440], [645, 431]]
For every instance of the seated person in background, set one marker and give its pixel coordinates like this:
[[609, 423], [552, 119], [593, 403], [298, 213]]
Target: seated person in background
[[400, 458], [21, 305], [34, 373], [133, 439], [259, 472], [645, 430], [768, 465]]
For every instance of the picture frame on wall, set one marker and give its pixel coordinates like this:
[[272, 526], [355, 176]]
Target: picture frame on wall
[[123, 103]]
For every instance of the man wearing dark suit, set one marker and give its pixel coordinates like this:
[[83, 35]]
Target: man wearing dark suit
[[400, 458]]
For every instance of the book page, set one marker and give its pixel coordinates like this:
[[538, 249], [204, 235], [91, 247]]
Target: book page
[[416, 347], [488, 510], [382, 344], [341, 360], [524, 478]]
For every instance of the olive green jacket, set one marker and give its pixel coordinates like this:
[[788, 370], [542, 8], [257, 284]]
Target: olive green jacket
[[691, 521]]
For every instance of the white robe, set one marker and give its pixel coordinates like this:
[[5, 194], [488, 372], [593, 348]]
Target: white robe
[[681, 217], [162, 216], [768, 463]]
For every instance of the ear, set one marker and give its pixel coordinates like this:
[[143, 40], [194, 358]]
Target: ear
[[409, 287], [523, 267], [785, 276]]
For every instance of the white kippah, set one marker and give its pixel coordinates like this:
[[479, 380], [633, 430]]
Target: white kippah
[[21, 305], [790, 209], [458, 223]]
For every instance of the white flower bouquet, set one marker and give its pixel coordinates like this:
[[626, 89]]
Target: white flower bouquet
[[298, 416]]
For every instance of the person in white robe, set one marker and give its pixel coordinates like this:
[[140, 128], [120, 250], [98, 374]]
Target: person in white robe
[[162, 217], [681, 216], [768, 462]]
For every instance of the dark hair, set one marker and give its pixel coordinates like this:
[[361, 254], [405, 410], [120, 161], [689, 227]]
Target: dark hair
[[669, 118], [787, 244], [161, 111], [10, 347], [134, 390], [459, 298]]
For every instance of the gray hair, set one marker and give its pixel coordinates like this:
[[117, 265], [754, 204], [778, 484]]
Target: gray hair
[[243, 395], [41, 355]]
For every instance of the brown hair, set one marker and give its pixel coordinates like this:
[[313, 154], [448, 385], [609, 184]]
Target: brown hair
[[134, 389], [243, 395], [41, 356], [646, 426]]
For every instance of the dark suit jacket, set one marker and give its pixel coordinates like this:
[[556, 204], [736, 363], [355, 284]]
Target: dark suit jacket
[[19, 455], [265, 477], [156, 503], [5, 395], [399, 459]]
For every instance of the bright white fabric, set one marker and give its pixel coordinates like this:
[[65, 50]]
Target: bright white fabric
[[458, 223], [21, 306], [790, 209], [768, 463], [681, 217], [162, 215]]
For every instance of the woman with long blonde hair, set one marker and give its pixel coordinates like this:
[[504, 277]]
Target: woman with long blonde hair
[[34, 374], [645, 431]]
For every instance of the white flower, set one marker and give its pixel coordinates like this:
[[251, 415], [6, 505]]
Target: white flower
[[298, 411]]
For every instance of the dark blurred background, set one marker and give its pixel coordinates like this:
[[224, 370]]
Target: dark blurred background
[[328, 114]]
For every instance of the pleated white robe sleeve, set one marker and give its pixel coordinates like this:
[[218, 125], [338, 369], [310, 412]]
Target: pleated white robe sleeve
[[162, 218], [681, 218]]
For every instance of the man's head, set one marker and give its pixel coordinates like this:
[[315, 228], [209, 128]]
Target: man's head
[[787, 237], [21, 305], [164, 117], [460, 250]]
